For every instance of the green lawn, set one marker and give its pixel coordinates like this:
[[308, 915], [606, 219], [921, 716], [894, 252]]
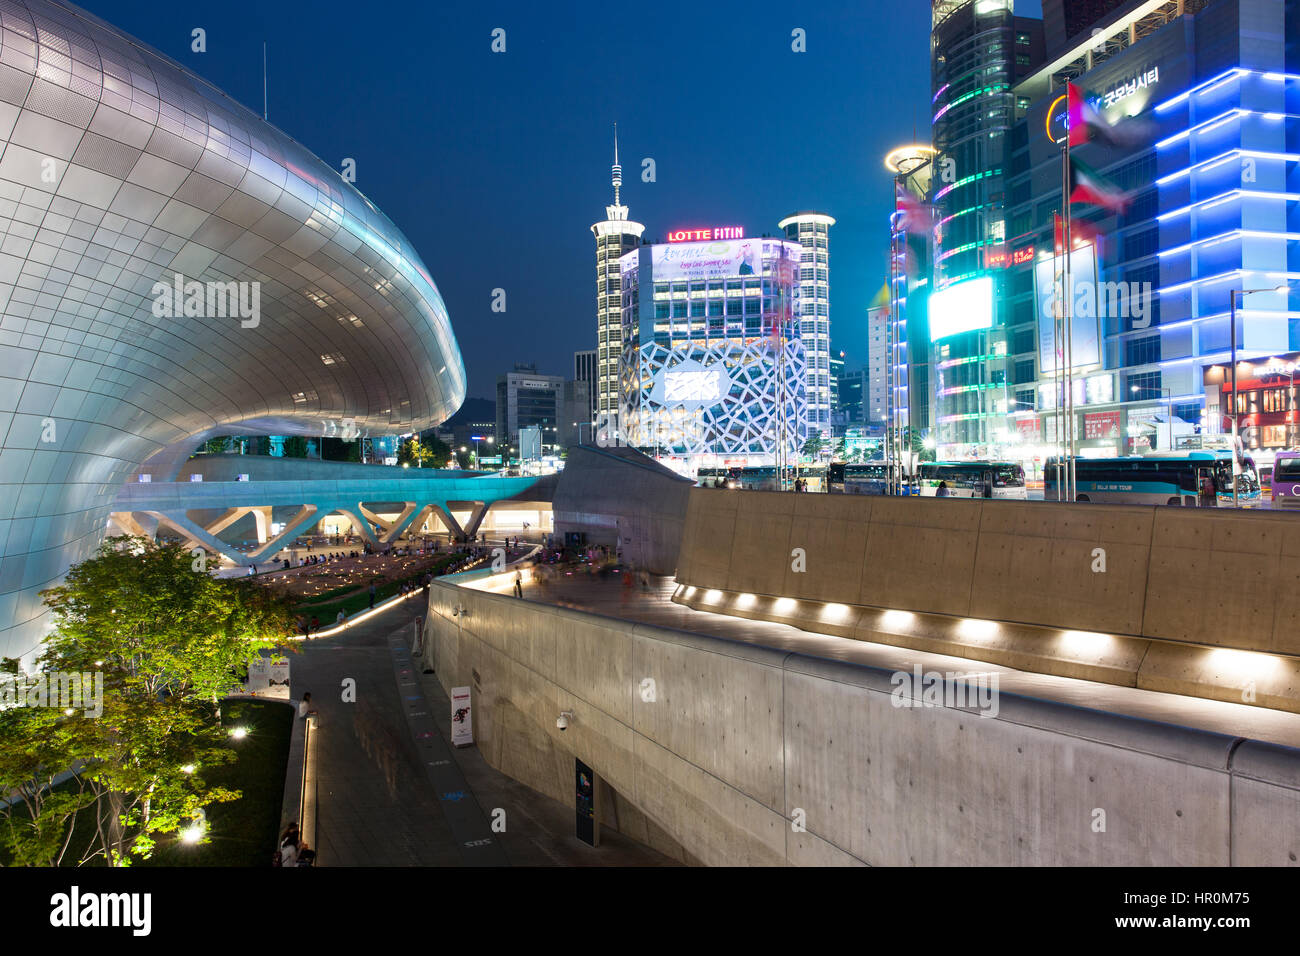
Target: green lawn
[[242, 832], [359, 599]]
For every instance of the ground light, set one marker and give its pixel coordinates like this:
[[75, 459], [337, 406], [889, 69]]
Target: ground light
[[193, 833], [239, 733]]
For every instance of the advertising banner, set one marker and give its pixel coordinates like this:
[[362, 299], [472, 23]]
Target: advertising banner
[[1048, 279], [268, 677], [708, 260], [462, 727], [1101, 425]]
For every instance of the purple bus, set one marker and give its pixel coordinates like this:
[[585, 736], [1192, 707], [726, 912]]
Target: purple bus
[[1286, 480]]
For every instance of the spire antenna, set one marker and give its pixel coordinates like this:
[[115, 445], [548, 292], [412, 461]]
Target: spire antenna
[[617, 169]]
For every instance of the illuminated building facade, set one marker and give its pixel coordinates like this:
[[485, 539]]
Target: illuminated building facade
[[1207, 96], [812, 231], [979, 50], [713, 364], [615, 236]]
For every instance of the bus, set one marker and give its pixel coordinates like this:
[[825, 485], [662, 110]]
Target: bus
[[1190, 478], [764, 478], [1286, 480], [868, 478], [972, 479], [710, 478]]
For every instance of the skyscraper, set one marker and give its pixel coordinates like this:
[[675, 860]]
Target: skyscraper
[[812, 231], [615, 236], [979, 50]]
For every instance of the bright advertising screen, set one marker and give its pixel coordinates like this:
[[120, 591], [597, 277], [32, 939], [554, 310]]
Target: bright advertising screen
[[963, 307], [708, 260], [1085, 342]]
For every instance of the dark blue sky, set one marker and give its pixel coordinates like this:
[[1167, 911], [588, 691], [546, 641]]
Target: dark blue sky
[[496, 165]]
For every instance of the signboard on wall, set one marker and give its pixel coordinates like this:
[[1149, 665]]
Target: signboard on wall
[[708, 260], [1101, 425], [584, 786], [462, 724], [1048, 280]]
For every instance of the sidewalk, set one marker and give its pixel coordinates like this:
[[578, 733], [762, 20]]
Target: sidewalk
[[391, 790]]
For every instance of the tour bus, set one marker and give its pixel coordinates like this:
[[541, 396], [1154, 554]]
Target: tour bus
[[764, 478], [868, 478], [972, 479], [1190, 478], [709, 477], [1286, 480]]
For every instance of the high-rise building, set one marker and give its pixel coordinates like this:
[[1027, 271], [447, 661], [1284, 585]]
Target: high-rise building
[[713, 363], [585, 369], [877, 370], [615, 236], [527, 399], [979, 50], [812, 231], [1204, 96]]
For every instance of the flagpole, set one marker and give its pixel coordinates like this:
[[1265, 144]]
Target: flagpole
[[889, 351], [1058, 355], [1067, 294]]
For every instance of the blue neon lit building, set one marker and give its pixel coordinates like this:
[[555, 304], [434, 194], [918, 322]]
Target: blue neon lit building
[[1207, 95]]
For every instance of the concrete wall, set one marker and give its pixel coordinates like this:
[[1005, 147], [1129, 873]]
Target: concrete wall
[[623, 499], [1176, 583], [739, 738]]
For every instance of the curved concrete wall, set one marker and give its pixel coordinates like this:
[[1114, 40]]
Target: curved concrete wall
[[740, 741], [624, 499]]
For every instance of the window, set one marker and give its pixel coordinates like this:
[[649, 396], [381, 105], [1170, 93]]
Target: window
[[1024, 372], [1143, 351]]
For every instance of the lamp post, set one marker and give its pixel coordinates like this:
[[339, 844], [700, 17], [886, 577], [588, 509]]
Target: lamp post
[[1282, 289], [1168, 395]]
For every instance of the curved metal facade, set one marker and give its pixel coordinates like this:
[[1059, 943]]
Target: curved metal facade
[[119, 171]]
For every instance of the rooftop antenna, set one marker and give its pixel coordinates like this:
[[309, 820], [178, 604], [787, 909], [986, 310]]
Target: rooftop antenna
[[617, 169], [264, 80]]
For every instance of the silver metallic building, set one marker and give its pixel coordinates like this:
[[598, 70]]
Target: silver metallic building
[[121, 171]]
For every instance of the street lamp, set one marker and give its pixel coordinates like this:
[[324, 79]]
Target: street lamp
[[1169, 395], [1282, 289]]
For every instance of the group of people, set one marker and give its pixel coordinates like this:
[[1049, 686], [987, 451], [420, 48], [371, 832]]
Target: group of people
[[293, 849]]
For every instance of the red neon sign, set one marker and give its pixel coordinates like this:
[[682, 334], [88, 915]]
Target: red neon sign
[[1021, 256], [706, 235]]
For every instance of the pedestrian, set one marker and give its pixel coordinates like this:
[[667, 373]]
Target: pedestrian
[[372, 594], [315, 626], [340, 618], [519, 584], [942, 490], [304, 706]]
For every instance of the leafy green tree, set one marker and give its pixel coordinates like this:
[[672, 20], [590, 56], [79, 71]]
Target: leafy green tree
[[149, 614], [295, 446], [170, 641], [814, 445]]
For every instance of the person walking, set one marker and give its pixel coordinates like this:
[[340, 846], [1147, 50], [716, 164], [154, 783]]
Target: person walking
[[315, 626], [340, 618], [372, 594], [519, 584]]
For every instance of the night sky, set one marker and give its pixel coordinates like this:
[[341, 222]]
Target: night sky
[[496, 164]]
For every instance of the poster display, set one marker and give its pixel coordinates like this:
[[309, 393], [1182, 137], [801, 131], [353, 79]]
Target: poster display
[[462, 726], [1048, 279]]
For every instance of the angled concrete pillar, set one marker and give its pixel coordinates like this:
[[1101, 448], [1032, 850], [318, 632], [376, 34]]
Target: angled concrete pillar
[[363, 527], [262, 518], [450, 523]]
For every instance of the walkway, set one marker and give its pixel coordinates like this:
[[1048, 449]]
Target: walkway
[[608, 597], [391, 790]]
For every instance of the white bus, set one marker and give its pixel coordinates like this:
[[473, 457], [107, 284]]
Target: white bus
[[971, 479]]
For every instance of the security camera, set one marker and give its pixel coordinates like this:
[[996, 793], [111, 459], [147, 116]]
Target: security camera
[[562, 722]]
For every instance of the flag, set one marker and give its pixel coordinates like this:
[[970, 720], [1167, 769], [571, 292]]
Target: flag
[[1059, 234], [1089, 186], [883, 299], [1088, 125], [915, 218]]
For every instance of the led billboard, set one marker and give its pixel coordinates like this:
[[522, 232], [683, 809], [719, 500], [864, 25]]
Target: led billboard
[[962, 307], [708, 260]]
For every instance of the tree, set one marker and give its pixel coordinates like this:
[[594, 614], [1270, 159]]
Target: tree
[[295, 446], [813, 446], [415, 453], [168, 640], [841, 449]]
